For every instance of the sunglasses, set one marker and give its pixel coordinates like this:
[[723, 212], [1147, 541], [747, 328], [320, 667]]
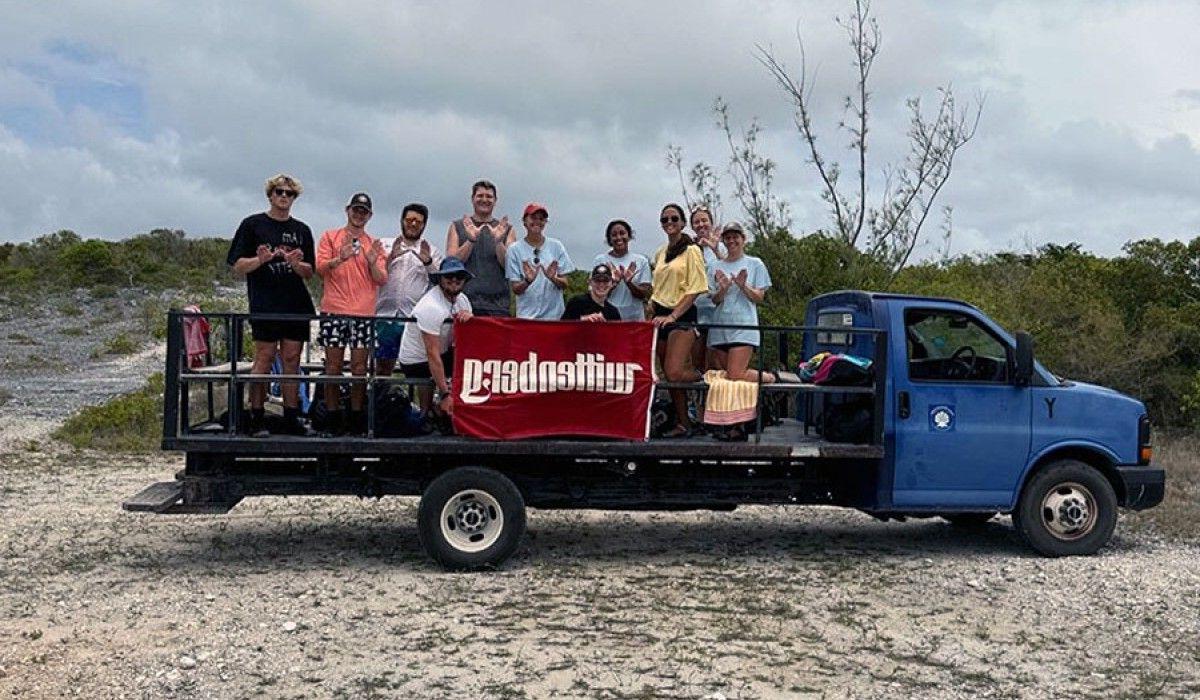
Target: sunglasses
[[669, 220], [536, 256], [280, 192]]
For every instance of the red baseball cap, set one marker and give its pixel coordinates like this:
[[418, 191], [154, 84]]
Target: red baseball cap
[[533, 208]]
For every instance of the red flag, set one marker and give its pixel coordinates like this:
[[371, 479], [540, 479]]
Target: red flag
[[515, 378]]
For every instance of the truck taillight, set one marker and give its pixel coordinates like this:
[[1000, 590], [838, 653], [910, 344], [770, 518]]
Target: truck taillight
[[1145, 450]]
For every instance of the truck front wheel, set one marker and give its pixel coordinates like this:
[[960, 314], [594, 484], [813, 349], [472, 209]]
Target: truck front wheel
[[1066, 509], [471, 518]]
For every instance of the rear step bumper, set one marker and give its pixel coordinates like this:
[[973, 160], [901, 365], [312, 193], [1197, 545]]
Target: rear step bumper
[[166, 497]]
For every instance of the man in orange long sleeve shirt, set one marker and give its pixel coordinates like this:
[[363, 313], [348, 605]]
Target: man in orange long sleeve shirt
[[353, 267]]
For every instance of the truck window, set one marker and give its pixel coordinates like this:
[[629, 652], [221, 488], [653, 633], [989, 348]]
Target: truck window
[[953, 346], [833, 319]]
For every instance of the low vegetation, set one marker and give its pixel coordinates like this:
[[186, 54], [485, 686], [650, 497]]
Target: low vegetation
[[128, 423]]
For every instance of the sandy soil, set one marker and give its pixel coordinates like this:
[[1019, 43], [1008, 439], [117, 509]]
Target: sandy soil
[[332, 597]]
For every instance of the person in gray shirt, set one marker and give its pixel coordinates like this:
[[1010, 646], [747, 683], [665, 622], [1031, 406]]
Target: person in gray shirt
[[481, 242]]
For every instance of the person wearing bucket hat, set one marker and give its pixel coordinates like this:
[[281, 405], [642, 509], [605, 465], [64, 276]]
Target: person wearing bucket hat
[[427, 345], [593, 305]]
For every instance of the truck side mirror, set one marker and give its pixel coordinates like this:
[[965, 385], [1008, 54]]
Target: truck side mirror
[[1023, 370]]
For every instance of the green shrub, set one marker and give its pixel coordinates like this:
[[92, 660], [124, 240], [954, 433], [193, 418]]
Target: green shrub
[[128, 423], [120, 344]]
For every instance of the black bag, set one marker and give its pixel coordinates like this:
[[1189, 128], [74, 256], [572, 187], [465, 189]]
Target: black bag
[[395, 416], [849, 421], [847, 373], [662, 417]]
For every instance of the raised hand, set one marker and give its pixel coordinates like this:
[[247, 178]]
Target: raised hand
[[722, 279], [529, 271], [374, 251], [426, 254], [471, 227], [346, 251], [500, 230], [552, 270], [740, 279], [263, 253]]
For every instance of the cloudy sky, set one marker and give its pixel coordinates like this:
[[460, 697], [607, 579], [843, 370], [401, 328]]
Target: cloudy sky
[[120, 117]]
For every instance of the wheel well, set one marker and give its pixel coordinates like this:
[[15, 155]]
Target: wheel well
[[1095, 458]]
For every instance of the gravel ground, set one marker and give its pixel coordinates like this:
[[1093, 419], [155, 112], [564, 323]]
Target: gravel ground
[[332, 597]]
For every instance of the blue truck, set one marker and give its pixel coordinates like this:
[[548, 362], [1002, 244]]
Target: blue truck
[[956, 420]]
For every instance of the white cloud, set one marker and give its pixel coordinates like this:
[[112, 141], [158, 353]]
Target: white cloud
[[121, 117]]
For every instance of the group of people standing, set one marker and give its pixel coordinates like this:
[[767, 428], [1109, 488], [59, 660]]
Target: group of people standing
[[705, 279]]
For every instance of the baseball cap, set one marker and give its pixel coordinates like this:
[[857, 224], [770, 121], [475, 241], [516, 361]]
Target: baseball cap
[[733, 227], [362, 199], [601, 270], [533, 208]]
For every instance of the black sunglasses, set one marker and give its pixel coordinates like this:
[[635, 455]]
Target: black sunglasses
[[536, 253], [291, 194], [670, 219]]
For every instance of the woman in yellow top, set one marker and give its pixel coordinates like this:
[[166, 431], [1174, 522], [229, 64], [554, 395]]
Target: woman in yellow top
[[679, 276]]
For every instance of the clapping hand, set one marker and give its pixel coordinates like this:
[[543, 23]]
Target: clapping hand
[[628, 272], [374, 251], [552, 270], [723, 280], [471, 227], [740, 279], [500, 230], [263, 253], [346, 251], [529, 271], [425, 254], [294, 257]]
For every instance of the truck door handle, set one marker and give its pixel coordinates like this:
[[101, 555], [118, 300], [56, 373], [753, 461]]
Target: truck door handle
[[905, 410]]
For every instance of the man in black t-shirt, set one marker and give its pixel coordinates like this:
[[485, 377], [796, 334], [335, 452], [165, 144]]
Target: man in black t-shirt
[[275, 252], [594, 305]]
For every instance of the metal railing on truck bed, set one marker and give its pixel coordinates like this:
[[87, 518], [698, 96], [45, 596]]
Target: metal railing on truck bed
[[224, 367]]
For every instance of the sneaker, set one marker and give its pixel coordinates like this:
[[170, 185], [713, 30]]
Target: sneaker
[[258, 426], [297, 426]]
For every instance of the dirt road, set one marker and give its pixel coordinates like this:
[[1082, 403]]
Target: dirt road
[[332, 597]]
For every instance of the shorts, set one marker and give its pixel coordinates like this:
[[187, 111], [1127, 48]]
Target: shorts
[[339, 332], [664, 331], [387, 339], [420, 370], [275, 331], [726, 347]]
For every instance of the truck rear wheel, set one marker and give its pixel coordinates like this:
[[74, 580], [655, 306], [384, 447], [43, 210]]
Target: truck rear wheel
[[471, 518], [1066, 509]]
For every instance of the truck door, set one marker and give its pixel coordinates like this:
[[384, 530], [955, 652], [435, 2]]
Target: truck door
[[962, 427]]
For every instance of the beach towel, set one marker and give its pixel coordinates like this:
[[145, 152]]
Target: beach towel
[[195, 336], [729, 402]]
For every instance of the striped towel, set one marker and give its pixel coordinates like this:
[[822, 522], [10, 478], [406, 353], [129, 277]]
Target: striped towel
[[729, 402]]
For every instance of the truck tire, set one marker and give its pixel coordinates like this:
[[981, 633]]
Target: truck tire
[[968, 520], [1067, 509], [471, 518]]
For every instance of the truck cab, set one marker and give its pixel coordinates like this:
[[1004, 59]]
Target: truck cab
[[974, 425]]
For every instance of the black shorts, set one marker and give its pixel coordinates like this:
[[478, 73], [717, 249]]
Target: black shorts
[[729, 346], [420, 370], [665, 330], [275, 331]]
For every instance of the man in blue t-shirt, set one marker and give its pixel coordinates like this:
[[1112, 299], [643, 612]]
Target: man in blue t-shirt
[[537, 267]]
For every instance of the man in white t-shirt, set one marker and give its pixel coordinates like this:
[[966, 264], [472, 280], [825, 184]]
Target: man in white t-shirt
[[427, 345], [631, 272]]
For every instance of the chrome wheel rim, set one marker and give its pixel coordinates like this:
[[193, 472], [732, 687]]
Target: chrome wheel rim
[[472, 520], [1069, 511]]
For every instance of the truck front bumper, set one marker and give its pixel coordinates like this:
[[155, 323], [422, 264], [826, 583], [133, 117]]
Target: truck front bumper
[[1144, 486]]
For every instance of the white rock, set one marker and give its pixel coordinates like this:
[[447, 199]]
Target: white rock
[[186, 662], [289, 626]]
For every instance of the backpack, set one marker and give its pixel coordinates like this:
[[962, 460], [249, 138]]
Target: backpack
[[395, 416]]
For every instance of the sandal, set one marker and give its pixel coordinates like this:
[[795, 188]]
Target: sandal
[[679, 431]]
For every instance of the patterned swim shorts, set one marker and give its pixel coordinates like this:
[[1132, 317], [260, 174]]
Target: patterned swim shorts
[[337, 332]]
